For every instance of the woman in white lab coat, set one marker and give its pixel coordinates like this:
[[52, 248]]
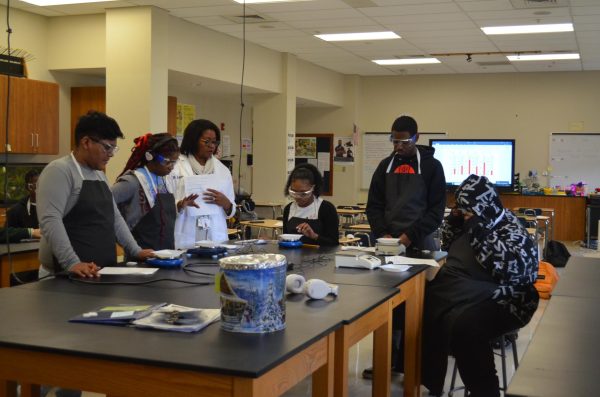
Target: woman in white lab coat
[[201, 139]]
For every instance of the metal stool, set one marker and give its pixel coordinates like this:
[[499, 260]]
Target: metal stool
[[511, 337]]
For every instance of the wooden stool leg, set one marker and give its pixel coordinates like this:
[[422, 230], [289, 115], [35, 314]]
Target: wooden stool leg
[[29, 390], [8, 388]]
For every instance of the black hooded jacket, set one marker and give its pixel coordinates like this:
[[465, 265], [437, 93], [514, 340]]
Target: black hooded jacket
[[435, 182]]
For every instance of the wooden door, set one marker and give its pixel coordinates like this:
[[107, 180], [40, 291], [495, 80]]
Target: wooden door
[[45, 98]]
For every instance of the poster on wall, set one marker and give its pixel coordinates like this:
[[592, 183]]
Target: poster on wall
[[185, 114], [306, 148], [225, 148], [291, 151], [344, 150]]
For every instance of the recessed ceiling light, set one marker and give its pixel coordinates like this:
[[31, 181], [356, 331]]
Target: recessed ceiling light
[[542, 57], [358, 36], [406, 61], [43, 3], [267, 1], [525, 29]]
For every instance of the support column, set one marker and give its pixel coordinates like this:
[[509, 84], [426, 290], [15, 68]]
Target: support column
[[137, 78], [274, 118]]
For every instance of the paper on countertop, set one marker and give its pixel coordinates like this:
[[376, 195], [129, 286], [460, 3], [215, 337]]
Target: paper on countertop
[[195, 319], [355, 248], [198, 184], [118, 271], [214, 244], [403, 260], [394, 268], [168, 254]]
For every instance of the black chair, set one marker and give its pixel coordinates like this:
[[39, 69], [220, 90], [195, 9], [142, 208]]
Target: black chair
[[509, 338]]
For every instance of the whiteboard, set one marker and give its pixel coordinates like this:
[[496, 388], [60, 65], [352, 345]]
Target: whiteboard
[[575, 157], [377, 146]]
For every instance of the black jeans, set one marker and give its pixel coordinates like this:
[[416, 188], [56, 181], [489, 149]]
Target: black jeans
[[469, 342]]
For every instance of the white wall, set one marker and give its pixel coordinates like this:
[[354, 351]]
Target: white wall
[[523, 106], [319, 84], [77, 42], [203, 52]]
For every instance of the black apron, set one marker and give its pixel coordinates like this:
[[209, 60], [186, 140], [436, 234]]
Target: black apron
[[315, 224], [156, 229], [460, 284], [90, 225], [406, 202]]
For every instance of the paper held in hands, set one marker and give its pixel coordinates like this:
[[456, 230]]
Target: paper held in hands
[[198, 184], [394, 262]]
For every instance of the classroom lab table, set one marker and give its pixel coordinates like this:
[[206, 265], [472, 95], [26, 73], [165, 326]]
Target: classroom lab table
[[24, 258], [40, 348], [563, 356]]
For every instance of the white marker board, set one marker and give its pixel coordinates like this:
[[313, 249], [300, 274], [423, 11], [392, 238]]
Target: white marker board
[[575, 157], [376, 146]]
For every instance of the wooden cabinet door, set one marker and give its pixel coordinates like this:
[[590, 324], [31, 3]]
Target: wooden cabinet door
[[45, 127], [22, 115], [33, 116]]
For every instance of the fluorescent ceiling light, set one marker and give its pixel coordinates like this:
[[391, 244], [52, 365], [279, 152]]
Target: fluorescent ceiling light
[[358, 36], [406, 61], [43, 3], [267, 1], [525, 29], [542, 57]]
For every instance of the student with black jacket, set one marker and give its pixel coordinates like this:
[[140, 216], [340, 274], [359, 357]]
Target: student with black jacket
[[407, 198], [316, 219]]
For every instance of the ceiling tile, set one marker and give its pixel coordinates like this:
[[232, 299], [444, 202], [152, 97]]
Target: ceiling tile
[[317, 14], [421, 18], [595, 10], [494, 5], [323, 25], [439, 8], [228, 10], [407, 2], [300, 6], [170, 4], [518, 14]]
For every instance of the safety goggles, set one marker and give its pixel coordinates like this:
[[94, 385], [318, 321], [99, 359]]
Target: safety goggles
[[109, 149], [165, 162], [305, 194], [402, 141], [208, 142]]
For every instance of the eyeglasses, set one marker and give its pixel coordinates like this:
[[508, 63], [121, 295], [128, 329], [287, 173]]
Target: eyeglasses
[[402, 141], [208, 142], [109, 149], [30, 186], [165, 162], [305, 194]]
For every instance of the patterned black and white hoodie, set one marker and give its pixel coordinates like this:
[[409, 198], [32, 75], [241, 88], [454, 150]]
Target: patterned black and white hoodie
[[501, 245]]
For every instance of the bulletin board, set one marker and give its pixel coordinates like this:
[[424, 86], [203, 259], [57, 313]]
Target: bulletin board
[[574, 158], [317, 149], [377, 146]]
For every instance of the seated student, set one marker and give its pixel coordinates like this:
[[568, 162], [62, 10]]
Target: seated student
[[308, 214], [142, 194], [23, 213], [16, 234], [78, 216], [484, 290]]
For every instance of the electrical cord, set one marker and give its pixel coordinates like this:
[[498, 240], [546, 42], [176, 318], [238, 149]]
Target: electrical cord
[[6, 142], [84, 281], [242, 92]]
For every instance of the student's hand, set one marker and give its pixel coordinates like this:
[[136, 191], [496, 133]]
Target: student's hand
[[405, 240], [216, 197], [36, 233], [145, 254], [85, 269], [306, 230], [189, 201], [467, 215]]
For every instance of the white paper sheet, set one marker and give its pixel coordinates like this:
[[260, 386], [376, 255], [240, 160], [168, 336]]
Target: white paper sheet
[[197, 184], [323, 160], [403, 260], [395, 268], [145, 271]]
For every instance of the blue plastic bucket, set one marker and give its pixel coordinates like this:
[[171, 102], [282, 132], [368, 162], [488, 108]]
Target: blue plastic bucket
[[252, 293]]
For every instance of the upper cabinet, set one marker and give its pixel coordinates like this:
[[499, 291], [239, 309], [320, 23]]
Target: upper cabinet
[[33, 116]]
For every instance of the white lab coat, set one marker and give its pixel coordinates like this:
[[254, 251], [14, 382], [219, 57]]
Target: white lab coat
[[186, 226]]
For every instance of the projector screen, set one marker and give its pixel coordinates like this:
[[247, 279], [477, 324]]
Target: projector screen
[[493, 158]]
